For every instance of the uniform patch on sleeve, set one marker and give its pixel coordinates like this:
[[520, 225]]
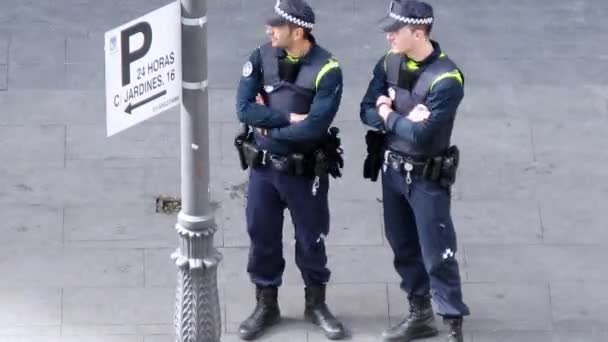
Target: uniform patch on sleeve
[[247, 69]]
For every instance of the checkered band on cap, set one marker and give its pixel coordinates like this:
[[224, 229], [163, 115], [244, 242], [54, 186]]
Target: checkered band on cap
[[291, 18], [413, 21]]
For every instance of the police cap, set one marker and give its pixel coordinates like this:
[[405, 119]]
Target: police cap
[[407, 12], [296, 12]]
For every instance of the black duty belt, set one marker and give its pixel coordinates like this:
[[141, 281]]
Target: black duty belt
[[408, 165], [295, 164], [317, 165]]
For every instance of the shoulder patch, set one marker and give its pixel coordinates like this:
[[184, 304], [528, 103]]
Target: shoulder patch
[[247, 69]]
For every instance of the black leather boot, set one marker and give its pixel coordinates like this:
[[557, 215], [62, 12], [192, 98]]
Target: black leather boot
[[317, 312], [265, 314], [418, 324], [454, 329]]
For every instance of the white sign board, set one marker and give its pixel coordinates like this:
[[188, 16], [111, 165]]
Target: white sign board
[[143, 68]]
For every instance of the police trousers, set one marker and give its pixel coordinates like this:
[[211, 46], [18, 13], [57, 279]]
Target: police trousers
[[420, 231], [270, 192]]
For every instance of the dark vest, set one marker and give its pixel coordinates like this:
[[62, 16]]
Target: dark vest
[[289, 97], [404, 100]]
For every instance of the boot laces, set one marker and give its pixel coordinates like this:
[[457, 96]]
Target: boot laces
[[412, 314], [416, 308], [454, 325]]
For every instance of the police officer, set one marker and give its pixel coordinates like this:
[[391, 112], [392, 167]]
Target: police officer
[[290, 92], [412, 101]]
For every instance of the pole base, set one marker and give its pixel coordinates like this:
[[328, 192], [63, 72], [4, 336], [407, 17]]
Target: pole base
[[197, 312]]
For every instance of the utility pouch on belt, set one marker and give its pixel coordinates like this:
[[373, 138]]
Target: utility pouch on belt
[[449, 166], [435, 170], [297, 166], [442, 169]]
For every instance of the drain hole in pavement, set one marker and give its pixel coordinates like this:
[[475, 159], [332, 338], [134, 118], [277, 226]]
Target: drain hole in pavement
[[168, 205], [172, 205]]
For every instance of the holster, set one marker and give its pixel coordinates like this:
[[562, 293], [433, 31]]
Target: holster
[[375, 154], [252, 155], [239, 141]]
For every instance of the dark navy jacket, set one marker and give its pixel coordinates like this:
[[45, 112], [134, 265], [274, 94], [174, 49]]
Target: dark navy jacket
[[286, 136], [442, 101]]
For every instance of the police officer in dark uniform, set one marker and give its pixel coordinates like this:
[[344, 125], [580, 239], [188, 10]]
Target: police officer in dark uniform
[[289, 94], [411, 102]]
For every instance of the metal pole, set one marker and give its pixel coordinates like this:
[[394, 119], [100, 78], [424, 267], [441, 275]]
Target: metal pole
[[197, 312]]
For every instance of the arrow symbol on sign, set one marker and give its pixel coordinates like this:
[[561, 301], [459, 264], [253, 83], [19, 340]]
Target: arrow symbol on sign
[[131, 107]]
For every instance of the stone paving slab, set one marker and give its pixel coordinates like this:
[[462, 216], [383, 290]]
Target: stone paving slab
[[5, 40], [527, 203], [33, 145], [577, 221], [494, 181], [492, 138], [125, 226], [115, 338], [580, 305], [501, 306], [83, 50], [504, 221], [27, 76], [56, 267], [559, 179], [535, 263], [52, 106], [50, 50], [117, 308], [3, 77], [82, 76], [553, 141], [24, 332], [541, 104], [72, 186], [34, 225], [28, 307], [532, 336], [145, 141]]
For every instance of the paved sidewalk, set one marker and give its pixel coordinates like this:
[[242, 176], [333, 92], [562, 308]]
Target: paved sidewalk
[[84, 257]]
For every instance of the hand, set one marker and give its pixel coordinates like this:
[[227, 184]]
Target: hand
[[419, 113], [384, 100], [260, 100], [294, 117], [384, 111]]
